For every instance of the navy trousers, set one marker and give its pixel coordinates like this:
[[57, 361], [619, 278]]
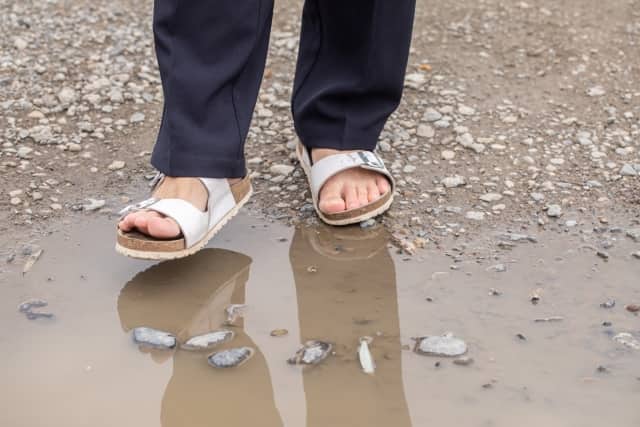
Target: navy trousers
[[211, 54]]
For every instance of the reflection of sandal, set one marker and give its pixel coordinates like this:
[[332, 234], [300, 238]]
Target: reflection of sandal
[[197, 227], [319, 172], [186, 297], [345, 244]]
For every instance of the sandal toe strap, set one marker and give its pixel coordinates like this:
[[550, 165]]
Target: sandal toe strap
[[192, 221], [329, 166]]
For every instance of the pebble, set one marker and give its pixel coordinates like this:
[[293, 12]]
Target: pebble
[[279, 169], [554, 211], [137, 117], [463, 361], [431, 115], [448, 155], [311, 353], [475, 216], [453, 181], [634, 234], [628, 170], [93, 204], [369, 223], [67, 95], [116, 165], [445, 345], [596, 91], [627, 340], [426, 131], [208, 340], [154, 338], [230, 358], [466, 111], [491, 197]]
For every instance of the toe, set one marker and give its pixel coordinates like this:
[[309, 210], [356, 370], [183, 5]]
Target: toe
[[350, 196], [128, 222], [363, 195], [162, 227], [373, 193], [331, 200], [383, 184]]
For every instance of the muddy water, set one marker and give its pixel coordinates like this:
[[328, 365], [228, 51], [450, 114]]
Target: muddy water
[[82, 367]]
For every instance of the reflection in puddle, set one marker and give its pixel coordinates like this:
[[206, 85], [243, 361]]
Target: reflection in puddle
[[288, 287], [349, 293]]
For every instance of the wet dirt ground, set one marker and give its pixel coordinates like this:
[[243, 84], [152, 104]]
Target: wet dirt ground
[[82, 368]]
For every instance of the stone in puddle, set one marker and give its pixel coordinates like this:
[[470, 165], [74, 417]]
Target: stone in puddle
[[153, 338], [209, 340], [628, 340], [312, 353], [445, 345], [230, 358]]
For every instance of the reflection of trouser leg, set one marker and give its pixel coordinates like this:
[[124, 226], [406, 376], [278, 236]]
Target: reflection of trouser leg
[[187, 297], [201, 396], [340, 303], [353, 56], [211, 57]]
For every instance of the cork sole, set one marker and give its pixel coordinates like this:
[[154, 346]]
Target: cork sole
[[181, 253], [352, 216]]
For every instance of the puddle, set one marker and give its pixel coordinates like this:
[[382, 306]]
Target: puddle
[[82, 368]]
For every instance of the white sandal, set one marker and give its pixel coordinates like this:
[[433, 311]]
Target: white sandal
[[319, 172], [197, 227]]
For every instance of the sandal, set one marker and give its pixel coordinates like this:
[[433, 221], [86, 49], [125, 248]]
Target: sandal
[[197, 227], [319, 172]]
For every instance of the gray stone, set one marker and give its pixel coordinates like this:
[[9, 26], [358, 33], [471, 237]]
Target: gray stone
[[279, 169], [554, 211]]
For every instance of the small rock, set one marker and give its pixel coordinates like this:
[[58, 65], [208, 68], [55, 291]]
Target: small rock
[[453, 181], [230, 358], [67, 95], [209, 340], [463, 361], [116, 165], [596, 91], [426, 131], [554, 211], [93, 204], [279, 169], [633, 308], [153, 338], [466, 111], [312, 353], [491, 197], [137, 117], [444, 345], [431, 115], [448, 155], [628, 340], [610, 303], [368, 223], [628, 170], [475, 216]]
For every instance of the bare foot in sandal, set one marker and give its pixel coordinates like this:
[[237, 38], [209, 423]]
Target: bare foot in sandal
[[157, 225], [349, 189]]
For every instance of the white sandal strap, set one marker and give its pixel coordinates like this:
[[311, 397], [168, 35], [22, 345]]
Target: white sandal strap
[[329, 166], [193, 223]]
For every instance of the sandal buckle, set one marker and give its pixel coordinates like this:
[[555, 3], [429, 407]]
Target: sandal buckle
[[370, 159]]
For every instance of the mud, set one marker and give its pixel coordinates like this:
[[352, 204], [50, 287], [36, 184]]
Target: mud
[[82, 368]]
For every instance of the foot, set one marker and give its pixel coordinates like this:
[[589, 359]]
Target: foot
[[349, 189], [159, 226]]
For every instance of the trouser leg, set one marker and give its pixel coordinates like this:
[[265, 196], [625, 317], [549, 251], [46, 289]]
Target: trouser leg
[[350, 73], [211, 56]]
